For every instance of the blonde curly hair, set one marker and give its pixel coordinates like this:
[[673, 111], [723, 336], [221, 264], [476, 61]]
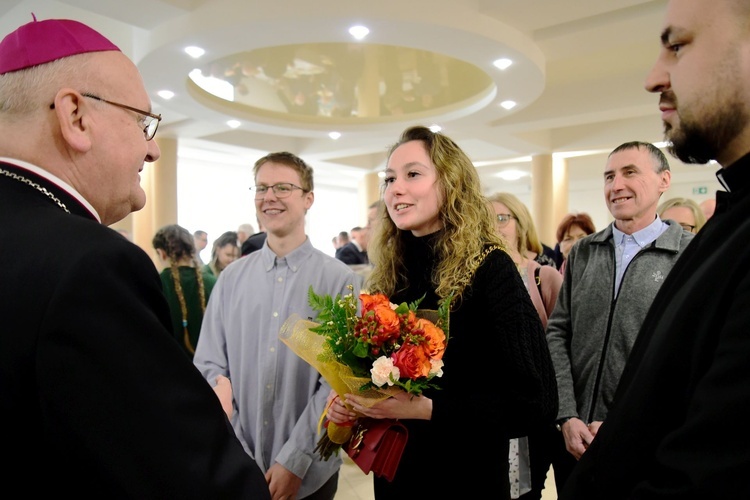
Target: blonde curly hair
[[466, 218]]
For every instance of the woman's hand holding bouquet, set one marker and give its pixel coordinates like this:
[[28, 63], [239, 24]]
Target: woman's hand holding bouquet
[[402, 405], [387, 351]]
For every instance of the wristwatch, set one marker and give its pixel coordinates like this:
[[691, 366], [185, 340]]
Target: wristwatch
[[560, 423]]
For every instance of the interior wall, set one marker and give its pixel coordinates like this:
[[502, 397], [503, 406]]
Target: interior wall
[[215, 197]]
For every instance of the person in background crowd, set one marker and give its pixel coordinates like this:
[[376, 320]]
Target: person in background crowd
[[538, 251], [572, 228], [224, 252], [125, 234], [374, 215], [98, 400], [438, 238], [683, 211], [187, 288], [254, 241], [244, 231], [200, 240], [611, 278], [708, 207], [354, 252], [343, 238], [678, 428], [278, 396], [530, 457]]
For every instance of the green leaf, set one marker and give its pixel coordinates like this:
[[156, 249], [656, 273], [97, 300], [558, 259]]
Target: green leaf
[[415, 305]]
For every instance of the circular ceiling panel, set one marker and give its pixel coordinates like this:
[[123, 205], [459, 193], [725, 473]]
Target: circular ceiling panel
[[351, 82]]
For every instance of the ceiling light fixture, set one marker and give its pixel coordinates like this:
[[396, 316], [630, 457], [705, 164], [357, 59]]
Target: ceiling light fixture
[[508, 104], [216, 86], [502, 63], [165, 94], [359, 32], [234, 123], [334, 135], [511, 175], [435, 128], [194, 52]]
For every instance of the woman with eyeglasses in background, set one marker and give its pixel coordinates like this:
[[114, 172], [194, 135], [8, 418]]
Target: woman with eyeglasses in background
[[572, 228], [684, 212], [530, 457]]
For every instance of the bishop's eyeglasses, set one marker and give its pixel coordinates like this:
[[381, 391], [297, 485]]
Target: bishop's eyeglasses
[[150, 121]]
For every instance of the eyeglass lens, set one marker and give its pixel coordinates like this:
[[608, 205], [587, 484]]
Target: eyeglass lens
[[150, 129], [503, 218], [281, 190]]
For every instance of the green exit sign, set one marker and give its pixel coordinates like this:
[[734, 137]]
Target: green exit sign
[[700, 190]]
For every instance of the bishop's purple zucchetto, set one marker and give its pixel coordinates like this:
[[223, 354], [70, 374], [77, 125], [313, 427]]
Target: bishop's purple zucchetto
[[40, 42]]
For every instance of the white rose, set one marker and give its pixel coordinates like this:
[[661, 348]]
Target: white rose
[[436, 367], [382, 370]]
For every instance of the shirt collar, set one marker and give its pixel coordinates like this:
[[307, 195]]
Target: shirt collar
[[294, 259], [55, 180], [736, 176], [642, 237]]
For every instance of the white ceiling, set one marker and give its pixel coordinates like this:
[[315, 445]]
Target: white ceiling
[[578, 77]]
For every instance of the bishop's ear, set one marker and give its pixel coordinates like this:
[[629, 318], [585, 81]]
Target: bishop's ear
[[75, 119]]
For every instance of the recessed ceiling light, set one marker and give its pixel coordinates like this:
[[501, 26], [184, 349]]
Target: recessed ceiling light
[[508, 104], [511, 175], [359, 32], [502, 63], [334, 135], [194, 52], [435, 128], [234, 123], [165, 94]]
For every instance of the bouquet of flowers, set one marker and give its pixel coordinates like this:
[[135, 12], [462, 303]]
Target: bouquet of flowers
[[385, 349]]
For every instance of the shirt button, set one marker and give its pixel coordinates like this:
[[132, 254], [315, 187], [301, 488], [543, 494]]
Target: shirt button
[[275, 314]]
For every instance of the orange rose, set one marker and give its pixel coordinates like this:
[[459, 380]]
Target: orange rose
[[434, 337], [411, 320], [388, 323], [381, 320], [369, 302], [412, 361]]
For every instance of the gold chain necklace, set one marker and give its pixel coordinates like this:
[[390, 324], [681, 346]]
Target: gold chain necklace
[[36, 186]]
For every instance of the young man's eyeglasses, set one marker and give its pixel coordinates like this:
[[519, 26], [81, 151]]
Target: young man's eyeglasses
[[150, 120], [503, 219], [281, 190]]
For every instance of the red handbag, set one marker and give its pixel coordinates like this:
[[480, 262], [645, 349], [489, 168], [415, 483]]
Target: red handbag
[[377, 445]]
